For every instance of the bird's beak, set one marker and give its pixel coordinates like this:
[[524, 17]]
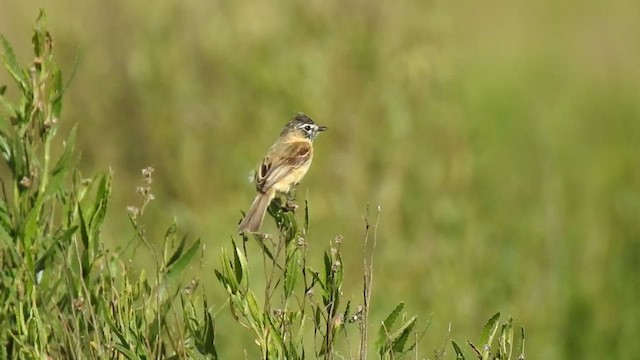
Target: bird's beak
[[322, 128]]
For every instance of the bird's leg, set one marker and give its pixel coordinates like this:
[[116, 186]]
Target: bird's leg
[[290, 205]]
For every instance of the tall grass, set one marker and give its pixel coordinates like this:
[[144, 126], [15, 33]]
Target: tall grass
[[66, 295]]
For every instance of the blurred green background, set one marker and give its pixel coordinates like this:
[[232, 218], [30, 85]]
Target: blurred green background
[[501, 140]]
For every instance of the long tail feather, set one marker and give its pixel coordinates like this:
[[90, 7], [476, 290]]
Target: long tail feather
[[255, 215]]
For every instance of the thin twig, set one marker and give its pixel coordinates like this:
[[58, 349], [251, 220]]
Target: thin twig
[[367, 280]]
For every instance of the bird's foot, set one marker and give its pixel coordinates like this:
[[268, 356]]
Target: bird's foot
[[290, 206]]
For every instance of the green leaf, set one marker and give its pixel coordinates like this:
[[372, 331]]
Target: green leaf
[[227, 272], [385, 327], [399, 337], [56, 94], [86, 257], [306, 216], [279, 341], [339, 274], [30, 225], [180, 264], [328, 278], [487, 334], [521, 351], [300, 337], [506, 339], [221, 278], [65, 237], [456, 348], [5, 220], [178, 252], [263, 247], [11, 63], [475, 349], [126, 352], [169, 239], [38, 37], [5, 149], [123, 346], [292, 271], [84, 232], [100, 207], [240, 266], [254, 310], [62, 165], [208, 336]]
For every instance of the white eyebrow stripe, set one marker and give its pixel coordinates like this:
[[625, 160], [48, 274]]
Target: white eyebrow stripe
[[313, 126]]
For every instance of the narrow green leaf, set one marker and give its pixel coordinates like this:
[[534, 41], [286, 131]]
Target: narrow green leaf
[[100, 207], [422, 333], [126, 352], [456, 348], [339, 274], [506, 339], [279, 341], [328, 278], [178, 252], [300, 336], [306, 216], [169, 240], [263, 247], [37, 39], [56, 96], [317, 317], [40, 263], [17, 161], [62, 165], [475, 350], [254, 310], [387, 324], [241, 266], [221, 278], [5, 237], [30, 225], [292, 269], [208, 335], [84, 231], [488, 332], [237, 264], [521, 352], [399, 337], [347, 309], [123, 346], [228, 273], [180, 264], [11, 63]]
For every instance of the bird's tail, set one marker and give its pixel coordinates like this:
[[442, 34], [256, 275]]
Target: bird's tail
[[253, 219]]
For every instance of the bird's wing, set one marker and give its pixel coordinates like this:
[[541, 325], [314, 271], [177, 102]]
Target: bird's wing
[[280, 161]]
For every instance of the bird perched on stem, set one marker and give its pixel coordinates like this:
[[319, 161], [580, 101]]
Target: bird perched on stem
[[284, 166]]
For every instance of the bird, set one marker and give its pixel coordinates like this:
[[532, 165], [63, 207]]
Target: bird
[[283, 167]]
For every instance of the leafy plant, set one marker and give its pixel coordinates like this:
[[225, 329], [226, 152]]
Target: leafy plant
[[485, 349], [67, 295], [297, 298], [64, 294]]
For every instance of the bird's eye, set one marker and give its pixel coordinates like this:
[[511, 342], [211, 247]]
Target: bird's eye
[[307, 127]]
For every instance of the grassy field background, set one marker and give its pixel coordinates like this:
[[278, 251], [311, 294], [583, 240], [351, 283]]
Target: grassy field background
[[501, 140]]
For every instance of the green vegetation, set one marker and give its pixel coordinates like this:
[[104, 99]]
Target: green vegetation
[[499, 138], [66, 296]]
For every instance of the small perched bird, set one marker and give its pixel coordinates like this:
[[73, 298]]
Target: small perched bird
[[284, 166]]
